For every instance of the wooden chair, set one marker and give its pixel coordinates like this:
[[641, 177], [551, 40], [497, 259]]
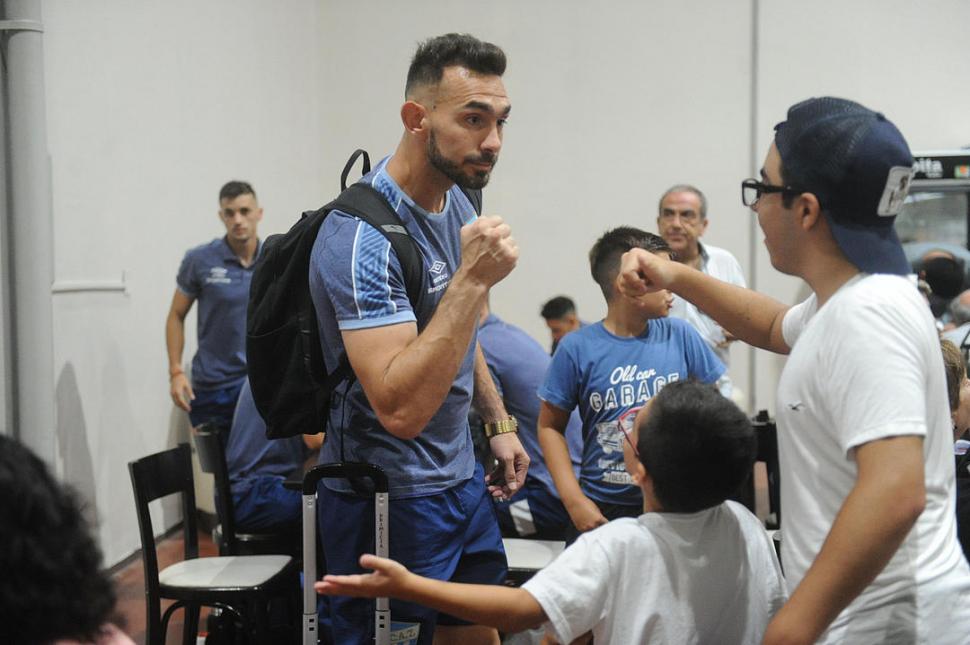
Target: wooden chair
[[241, 584]]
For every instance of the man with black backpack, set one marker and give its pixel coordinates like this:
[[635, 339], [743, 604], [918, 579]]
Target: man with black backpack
[[416, 361]]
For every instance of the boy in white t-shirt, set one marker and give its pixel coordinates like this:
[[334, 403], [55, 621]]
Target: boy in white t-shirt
[[692, 568]]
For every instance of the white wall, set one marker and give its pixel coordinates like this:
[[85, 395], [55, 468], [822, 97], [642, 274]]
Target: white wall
[[152, 106], [895, 56]]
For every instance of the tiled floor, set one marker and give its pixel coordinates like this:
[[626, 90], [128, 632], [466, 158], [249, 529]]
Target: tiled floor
[[130, 584]]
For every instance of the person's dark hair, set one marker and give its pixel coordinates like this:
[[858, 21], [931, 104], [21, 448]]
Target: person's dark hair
[[685, 188], [53, 584], [233, 189], [696, 445], [464, 50], [558, 308], [945, 275], [604, 257]]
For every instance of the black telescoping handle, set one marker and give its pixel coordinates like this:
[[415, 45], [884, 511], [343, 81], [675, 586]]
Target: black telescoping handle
[[344, 470]]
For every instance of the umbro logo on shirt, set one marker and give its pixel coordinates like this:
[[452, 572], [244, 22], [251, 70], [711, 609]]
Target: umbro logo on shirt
[[218, 275], [437, 267]]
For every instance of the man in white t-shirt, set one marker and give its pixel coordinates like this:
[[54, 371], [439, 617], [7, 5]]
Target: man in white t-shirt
[[681, 222], [693, 568], [868, 535]]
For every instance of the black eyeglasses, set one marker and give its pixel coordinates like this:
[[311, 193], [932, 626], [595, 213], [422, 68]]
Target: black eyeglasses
[[752, 191]]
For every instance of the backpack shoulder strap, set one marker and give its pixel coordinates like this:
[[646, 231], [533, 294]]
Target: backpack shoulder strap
[[363, 201], [474, 195]]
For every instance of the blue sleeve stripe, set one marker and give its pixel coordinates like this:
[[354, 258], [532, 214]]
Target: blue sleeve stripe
[[369, 323], [371, 259]]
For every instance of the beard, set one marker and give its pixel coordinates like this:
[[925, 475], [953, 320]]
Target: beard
[[453, 171]]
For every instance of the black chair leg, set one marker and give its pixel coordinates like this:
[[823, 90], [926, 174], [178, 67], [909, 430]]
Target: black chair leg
[[190, 629], [163, 636], [259, 621]]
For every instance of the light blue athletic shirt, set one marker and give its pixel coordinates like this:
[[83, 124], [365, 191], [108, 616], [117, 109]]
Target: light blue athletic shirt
[[610, 378], [356, 283], [250, 455], [211, 273], [518, 364]]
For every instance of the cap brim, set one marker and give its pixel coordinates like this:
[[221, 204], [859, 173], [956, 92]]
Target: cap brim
[[874, 249]]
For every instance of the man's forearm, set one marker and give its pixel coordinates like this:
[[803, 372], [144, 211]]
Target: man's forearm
[[486, 399], [748, 315], [174, 342]]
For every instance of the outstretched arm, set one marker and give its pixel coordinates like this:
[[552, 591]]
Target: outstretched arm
[[509, 609], [748, 315]]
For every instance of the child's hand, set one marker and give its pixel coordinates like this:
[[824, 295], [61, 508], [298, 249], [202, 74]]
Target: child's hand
[[388, 578], [585, 514]]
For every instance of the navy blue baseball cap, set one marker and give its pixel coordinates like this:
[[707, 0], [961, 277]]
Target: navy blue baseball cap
[[858, 165]]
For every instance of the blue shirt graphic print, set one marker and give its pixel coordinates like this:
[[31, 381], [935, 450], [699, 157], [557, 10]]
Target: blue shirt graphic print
[[356, 282], [610, 378]]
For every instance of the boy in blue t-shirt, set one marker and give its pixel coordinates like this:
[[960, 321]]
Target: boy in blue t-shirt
[[610, 369]]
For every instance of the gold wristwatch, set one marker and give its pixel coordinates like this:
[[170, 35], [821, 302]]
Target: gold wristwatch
[[494, 428]]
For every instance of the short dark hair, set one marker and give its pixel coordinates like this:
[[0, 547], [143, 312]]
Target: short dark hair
[[604, 257], [697, 446], [558, 308], [233, 189], [685, 188], [945, 275], [54, 587], [435, 54]]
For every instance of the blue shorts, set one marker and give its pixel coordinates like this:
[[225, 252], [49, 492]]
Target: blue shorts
[[533, 512], [452, 535], [215, 406], [266, 505]]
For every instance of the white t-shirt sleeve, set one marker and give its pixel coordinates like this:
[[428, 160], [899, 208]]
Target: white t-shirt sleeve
[[574, 590], [796, 318]]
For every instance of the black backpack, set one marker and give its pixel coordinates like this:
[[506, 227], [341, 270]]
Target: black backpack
[[289, 377]]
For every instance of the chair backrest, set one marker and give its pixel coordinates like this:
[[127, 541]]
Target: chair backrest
[[212, 459], [154, 477]]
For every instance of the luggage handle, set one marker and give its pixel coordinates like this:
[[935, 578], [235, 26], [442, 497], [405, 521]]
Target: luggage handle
[[376, 474]]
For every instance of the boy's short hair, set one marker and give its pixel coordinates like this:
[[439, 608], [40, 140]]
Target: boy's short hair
[[956, 370], [557, 308], [697, 446], [604, 257], [233, 189]]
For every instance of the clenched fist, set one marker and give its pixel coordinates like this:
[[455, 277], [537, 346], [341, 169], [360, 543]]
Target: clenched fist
[[488, 252]]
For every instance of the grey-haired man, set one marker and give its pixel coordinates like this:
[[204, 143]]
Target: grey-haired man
[[869, 540]]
